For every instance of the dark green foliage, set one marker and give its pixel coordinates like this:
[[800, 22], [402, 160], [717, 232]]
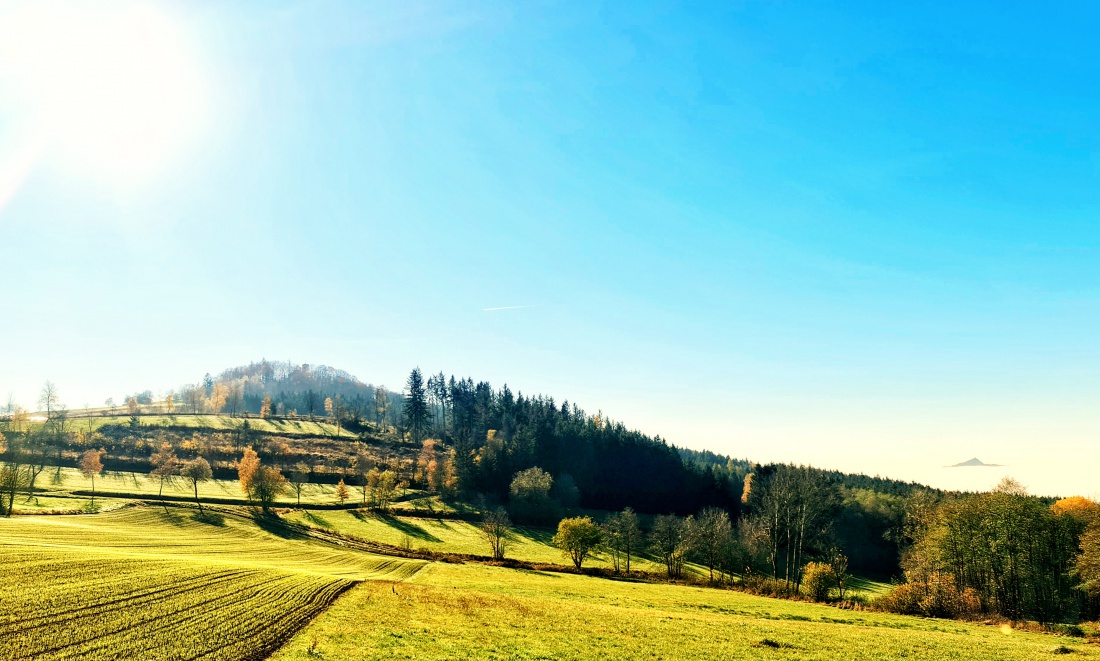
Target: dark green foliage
[[416, 405], [611, 466], [868, 527]]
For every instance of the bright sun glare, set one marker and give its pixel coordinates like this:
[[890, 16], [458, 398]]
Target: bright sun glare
[[111, 89]]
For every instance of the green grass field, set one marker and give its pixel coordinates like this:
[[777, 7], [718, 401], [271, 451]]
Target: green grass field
[[528, 544], [143, 583], [217, 422], [146, 584], [484, 612]]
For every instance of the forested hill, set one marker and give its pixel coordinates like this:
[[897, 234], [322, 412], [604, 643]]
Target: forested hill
[[706, 458], [291, 389], [494, 434]]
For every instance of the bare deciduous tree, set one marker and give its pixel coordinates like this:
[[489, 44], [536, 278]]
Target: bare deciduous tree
[[299, 476], [91, 465], [48, 399], [495, 527], [15, 475], [165, 465], [709, 535], [195, 471], [621, 537]]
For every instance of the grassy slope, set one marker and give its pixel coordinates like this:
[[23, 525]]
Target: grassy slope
[[483, 612], [219, 422], [142, 583], [529, 544]]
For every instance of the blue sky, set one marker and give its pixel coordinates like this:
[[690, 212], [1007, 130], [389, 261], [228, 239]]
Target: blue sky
[[860, 236]]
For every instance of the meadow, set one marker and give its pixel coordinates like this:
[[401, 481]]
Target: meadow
[[65, 481], [451, 611], [144, 583], [529, 544]]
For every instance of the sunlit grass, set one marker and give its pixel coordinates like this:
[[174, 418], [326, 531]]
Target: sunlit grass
[[484, 612], [529, 544], [144, 583], [57, 481]]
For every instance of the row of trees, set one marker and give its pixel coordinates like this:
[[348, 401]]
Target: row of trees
[[1002, 552], [708, 538]]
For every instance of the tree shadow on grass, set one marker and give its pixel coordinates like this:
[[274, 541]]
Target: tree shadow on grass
[[209, 518], [171, 515], [318, 520], [410, 529], [276, 526], [537, 535], [539, 572]]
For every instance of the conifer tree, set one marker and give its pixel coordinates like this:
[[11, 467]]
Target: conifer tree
[[416, 405]]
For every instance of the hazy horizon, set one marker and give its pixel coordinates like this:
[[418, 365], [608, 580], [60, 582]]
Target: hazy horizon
[[862, 238]]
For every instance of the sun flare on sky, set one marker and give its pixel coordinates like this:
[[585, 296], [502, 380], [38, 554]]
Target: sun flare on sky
[[106, 90]]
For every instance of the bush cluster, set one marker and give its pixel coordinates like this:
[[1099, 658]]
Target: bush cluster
[[934, 594]]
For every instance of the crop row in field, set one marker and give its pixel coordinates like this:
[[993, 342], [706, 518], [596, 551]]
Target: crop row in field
[[141, 583], [142, 609]]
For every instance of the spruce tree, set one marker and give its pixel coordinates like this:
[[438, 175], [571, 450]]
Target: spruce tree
[[416, 405]]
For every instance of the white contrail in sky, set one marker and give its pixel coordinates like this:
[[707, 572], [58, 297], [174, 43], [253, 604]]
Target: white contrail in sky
[[506, 307]]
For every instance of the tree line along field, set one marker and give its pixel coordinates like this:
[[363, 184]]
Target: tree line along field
[[149, 584], [524, 543], [58, 481]]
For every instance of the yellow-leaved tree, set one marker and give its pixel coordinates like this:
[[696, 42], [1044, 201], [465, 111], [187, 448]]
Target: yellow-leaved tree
[[218, 396], [91, 465], [247, 468]]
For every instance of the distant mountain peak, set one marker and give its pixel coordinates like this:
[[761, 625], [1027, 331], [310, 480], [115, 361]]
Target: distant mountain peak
[[971, 462]]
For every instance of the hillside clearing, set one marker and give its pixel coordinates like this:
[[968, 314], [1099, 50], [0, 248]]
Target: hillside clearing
[[282, 426]]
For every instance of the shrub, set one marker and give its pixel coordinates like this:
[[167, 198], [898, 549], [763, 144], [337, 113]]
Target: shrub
[[933, 594], [577, 537], [817, 578], [904, 599]]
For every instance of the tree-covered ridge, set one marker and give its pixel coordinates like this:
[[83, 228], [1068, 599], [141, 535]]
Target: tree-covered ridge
[[496, 433], [493, 433], [289, 389]]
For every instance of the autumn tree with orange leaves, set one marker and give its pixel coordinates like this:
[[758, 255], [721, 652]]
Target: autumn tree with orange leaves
[[91, 465]]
